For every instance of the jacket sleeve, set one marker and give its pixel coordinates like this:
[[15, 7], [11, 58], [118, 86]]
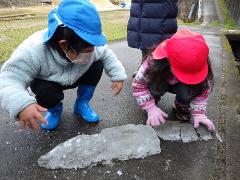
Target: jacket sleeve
[[140, 89], [113, 67], [15, 77], [199, 104]]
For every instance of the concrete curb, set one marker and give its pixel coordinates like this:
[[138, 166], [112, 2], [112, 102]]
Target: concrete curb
[[232, 114]]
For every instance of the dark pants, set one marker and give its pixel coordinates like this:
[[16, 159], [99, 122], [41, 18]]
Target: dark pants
[[181, 91], [182, 99], [49, 93]]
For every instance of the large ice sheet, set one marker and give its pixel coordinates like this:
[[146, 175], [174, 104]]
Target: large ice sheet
[[204, 134], [188, 133], [177, 131], [170, 131], [121, 143]]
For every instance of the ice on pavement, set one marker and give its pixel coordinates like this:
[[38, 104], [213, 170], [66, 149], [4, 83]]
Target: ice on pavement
[[204, 133], [188, 133], [177, 131], [120, 143], [170, 131]]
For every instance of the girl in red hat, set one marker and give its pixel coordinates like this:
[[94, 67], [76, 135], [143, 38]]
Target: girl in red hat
[[179, 65]]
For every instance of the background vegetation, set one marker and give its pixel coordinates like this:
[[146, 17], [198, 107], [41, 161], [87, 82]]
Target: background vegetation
[[14, 28], [229, 23]]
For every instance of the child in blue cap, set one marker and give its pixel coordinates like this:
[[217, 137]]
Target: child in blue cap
[[70, 53]]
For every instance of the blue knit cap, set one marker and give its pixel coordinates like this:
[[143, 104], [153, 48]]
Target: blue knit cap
[[79, 15]]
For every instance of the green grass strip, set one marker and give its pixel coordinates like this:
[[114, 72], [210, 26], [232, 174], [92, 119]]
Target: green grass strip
[[12, 33]]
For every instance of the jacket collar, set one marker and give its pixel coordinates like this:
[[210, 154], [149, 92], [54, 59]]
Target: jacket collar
[[60, 59]]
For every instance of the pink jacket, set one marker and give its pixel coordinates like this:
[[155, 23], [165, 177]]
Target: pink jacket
[[145, 100]]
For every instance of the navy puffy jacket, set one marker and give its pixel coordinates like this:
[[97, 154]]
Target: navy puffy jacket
[[151, 22]]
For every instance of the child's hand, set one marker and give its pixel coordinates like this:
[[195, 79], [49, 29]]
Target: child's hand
[[155, 116], [117, 87], [201, 118], [29, 115]]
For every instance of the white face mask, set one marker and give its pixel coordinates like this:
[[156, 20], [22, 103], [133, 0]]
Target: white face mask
[[82, 58]]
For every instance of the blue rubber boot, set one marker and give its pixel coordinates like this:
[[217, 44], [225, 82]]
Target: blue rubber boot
[[81, 107], [53, 117]]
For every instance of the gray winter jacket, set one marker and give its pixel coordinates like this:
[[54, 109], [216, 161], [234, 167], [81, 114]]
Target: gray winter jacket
[[35, 59]]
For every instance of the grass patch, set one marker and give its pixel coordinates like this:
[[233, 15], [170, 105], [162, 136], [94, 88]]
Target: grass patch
[[215, 23], [38, 10], [114, 24], [11, 12], [12, 38], [229, 23], [181, 22], [12, 33]]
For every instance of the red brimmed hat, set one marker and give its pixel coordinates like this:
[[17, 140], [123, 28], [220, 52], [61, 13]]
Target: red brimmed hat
[[187, 53]]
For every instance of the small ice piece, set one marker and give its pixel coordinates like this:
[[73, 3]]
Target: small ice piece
[[218, 136], [119, 172], [204, 133], [170, 131], [167, 167], [136, 177], [188, 133], [120, 143]]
